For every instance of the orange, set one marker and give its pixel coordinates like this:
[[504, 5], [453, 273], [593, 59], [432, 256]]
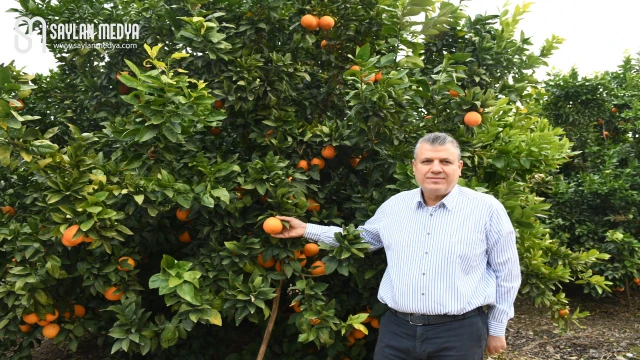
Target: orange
[[480, 110], [303, 262], [182, 215], [185, 237], [8, 210], [563, 312], [278, 266], [17, 104], [323, 43], [43, 322], [605, 133], [351, 340], [79, 310], [67, 237], [314, 321], [269, 133], [355, 67], [375, 323], [370, 80], [600, 121], [88, 239], [129, 260], [311, 249], [30, 318], [264, 264], [454, 93], [309, 22], [358, 334], [272, 225], [303, 164], [379, 76], [67, 315], [353, 161], [296, 307], [215, 131], [472, 119], [319, 268], [51, 330], [109, 294], [121, 73], [614, 110], [328, 152], [326, 22], [218, 104], [319, 162], [313, 205], [368, 319], [25, 328], [51, 317]]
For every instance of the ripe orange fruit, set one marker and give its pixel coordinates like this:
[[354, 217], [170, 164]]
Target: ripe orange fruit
[[454, 93], [326, 22], [313, 206], [8, 210], [278, 266], [272, 226], [472, 119], [218, 104], [328, 152], [358, 334], [600, 121], [353, 161], [355, 67], [319, 162], [215, 131], [379, 76], [17, 104], [375, 323], [109, 294], [182, 215], [296, 307], [79, 310], [51, 317], [51, 330], [614, 110], [311, 249], [269, 133], [67, 315], [121, 73], [323, 43], [264, 264], [88, 239], [303, 164], [129, 260], [303, 262], [25, 328], [67, 237], [43, 322], [30, 318], [563, 312], [309, 22], [185, 237], [370, 80], [314, 321], [320, 270], [350, 340]]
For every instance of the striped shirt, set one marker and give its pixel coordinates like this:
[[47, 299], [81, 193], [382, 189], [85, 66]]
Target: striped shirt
[[446, 259]]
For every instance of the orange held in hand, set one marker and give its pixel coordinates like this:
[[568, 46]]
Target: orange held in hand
[[311, 249], [472, 119], [67, 237], [272, 226], [319, 268]]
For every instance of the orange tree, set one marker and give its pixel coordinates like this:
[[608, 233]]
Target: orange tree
[[139, 179], [595, 197]]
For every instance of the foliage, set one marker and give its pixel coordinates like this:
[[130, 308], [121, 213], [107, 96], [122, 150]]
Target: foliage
[[119, 159]]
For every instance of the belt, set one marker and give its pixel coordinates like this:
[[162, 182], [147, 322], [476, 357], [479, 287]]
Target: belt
[[419, 319]]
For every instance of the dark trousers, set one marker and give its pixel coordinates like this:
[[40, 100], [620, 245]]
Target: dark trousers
[[463, 339]]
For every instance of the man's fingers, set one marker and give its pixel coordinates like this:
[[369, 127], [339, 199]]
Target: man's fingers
[[285, 218]]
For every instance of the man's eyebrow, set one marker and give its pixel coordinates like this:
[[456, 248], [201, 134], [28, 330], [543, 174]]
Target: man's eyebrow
[[441, 159]]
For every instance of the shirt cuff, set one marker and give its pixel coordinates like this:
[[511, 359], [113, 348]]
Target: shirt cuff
[[496, 328], [322, 233]]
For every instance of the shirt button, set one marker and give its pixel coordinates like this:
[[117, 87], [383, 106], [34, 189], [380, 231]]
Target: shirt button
[[430, 214], [423, 273], [426, 253], [429, 233], [423, 294]]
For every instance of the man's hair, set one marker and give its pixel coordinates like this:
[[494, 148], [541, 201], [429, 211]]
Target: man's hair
[[437, 139]]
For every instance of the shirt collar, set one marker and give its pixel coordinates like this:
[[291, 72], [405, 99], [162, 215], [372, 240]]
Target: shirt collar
[[449, 201]]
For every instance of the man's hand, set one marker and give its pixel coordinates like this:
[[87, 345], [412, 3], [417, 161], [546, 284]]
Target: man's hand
[[495, 345], [296, 228]]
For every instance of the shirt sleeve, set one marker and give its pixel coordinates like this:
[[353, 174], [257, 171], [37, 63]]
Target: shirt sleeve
[[503, 260], [370, 231]]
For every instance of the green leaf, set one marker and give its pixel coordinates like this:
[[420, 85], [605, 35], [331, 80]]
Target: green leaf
[[215, 318], [187, 292], [363, 53], [139, 198], [87, 224], [174, 281], [411, 62], [147, 133]]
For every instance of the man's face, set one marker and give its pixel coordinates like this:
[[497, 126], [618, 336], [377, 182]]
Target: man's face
[[437, 170]]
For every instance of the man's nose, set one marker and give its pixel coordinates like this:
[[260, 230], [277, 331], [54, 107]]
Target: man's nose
[[435, 167]]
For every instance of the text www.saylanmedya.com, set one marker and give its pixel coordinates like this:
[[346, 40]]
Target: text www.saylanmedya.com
[[101, 45]]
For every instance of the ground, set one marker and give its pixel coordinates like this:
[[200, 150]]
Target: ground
[[611, 332]]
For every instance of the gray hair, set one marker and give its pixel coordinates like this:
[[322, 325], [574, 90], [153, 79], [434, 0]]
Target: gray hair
[[437, 139]]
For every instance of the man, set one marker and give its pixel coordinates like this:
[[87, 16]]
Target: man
[[450, 251]]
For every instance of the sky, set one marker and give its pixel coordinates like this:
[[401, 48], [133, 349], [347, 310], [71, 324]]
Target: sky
[[596, 33]]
